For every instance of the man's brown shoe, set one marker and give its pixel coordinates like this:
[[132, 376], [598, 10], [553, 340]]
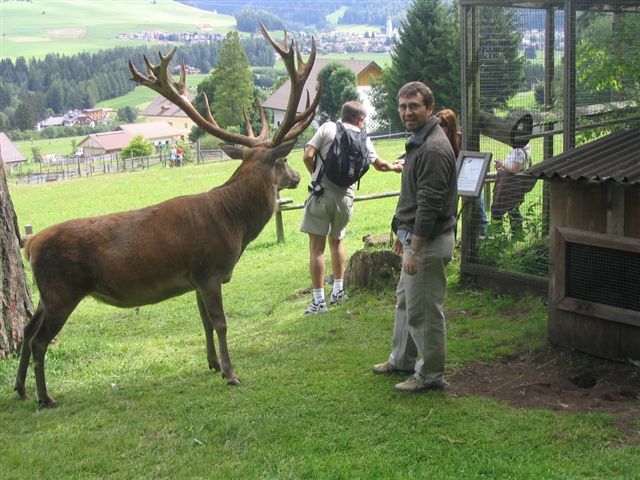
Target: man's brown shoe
[[387, 369], [413, 385]]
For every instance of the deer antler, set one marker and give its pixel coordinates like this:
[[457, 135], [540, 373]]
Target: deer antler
[[159, 78], [294, 123]]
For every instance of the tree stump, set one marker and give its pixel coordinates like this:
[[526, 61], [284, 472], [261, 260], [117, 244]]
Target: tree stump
[[15, 298], [375, 267]]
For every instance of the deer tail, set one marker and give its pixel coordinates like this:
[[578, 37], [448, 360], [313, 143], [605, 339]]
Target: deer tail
[[25, 242]]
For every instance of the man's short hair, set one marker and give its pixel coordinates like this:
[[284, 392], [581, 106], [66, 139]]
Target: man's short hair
[[414, 88], [353, 111]]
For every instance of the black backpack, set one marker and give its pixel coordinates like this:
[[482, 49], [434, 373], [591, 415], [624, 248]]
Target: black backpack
[[348, 157]]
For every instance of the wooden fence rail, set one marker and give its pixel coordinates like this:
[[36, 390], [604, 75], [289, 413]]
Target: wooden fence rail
[[283, 206]]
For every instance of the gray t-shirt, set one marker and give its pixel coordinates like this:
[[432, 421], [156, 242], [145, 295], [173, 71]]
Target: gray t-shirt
[[322, 141]]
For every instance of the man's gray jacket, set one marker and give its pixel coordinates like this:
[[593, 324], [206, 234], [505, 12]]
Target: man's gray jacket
[[429, 194]]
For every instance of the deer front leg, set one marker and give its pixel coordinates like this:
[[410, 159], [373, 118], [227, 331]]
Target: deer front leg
[[211, 295], [207, 323]]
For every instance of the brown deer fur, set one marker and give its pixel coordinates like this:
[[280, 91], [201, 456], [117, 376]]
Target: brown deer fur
[[128, 259]]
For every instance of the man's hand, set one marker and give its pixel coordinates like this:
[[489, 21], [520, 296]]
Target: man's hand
[[410, 261], [397, 247]]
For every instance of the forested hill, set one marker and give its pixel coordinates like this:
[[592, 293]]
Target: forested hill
[[31, 89], [302, 14]]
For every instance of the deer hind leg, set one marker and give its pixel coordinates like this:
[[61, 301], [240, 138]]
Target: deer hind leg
[[54, 317], [212, 358], [30, 330], [211, 295]]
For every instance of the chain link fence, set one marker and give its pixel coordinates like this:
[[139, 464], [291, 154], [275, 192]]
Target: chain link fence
[[536, 84]]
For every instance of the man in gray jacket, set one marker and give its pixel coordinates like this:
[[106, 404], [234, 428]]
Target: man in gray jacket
[[425, 219]]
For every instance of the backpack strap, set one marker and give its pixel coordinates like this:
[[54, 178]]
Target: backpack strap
[[319, 155]]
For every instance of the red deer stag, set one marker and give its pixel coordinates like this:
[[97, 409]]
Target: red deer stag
[[121, 258]]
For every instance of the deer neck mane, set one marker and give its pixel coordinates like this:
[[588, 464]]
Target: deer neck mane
[[247, 200]]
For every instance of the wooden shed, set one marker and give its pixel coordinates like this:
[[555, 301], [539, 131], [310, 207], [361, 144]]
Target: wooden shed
[[594, 246]]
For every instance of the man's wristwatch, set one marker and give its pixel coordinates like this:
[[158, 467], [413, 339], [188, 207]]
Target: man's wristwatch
[[412, 252]]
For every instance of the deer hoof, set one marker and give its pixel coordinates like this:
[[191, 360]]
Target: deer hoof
[[48, 402], [233, 381], [22, 393]]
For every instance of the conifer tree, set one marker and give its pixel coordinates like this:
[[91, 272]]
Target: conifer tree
[[428, 51], [232, 82]]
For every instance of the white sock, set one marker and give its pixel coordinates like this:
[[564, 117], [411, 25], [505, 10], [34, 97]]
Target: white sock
[[337, 285], [318, 295]]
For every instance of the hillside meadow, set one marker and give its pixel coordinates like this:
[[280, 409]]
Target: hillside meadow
[[67, 27], [136, 399]]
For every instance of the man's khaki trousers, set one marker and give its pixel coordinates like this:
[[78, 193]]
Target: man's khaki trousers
[[419, 327]]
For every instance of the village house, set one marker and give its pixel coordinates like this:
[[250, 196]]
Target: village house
[[103, 144], [161, 109], [10, 156], [111, 143], [365, 72], [88, 117], [158, 132]]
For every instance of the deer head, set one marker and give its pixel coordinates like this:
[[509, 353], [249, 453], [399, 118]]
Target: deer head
[[159, 78], [274, 159]]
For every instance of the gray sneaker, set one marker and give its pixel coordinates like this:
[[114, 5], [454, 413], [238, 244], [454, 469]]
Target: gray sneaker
[[387, 369], [413, 385], [338, 298], [316, 308]]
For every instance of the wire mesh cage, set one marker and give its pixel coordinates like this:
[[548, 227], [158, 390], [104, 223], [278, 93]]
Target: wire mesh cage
[[540, 77]]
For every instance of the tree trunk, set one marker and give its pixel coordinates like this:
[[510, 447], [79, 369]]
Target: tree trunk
[[375, 267], [15, 298]]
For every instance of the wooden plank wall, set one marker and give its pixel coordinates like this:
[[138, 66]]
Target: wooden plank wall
[[584, 206]]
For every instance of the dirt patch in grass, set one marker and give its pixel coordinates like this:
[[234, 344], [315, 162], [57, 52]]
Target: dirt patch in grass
[[559, 380]]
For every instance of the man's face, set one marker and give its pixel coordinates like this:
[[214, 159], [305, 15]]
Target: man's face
[[413, 113]]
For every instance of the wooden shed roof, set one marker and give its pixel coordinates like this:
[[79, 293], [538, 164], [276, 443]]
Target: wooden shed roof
[[615, 157], [9, 153]]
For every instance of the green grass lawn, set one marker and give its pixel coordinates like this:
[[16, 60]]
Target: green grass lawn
[[382, 59], [140, 97], [136, 399], [59, 146], [33, 29]]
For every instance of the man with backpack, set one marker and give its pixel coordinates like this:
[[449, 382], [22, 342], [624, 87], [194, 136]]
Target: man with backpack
[[336, 157]]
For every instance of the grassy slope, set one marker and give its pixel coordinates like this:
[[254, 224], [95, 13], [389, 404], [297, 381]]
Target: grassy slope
[[136, 398], [72, 26], [59, 146]]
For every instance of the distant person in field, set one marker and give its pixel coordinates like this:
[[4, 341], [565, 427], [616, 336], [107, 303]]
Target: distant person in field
[[179, 153], [329, 206], [174, 156]]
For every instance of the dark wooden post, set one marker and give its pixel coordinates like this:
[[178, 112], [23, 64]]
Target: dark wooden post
[[279, 224], [470, 34]]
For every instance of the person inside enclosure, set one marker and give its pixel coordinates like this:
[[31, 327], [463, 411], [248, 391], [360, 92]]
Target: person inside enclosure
[[510, 189], [426, 219], [336, 157], [451, 127]]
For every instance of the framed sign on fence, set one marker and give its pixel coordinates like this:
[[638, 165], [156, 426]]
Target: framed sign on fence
[[472, 169]]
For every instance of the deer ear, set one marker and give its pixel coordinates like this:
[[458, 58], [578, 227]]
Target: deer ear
[[281, 151], [232, 151]]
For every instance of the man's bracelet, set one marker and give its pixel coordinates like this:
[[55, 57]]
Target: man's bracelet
[[412, 252]]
